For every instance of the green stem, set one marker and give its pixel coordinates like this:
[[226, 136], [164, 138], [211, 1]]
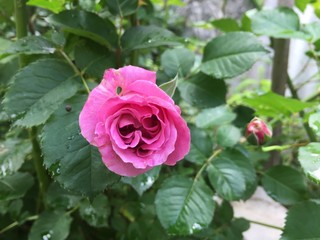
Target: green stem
[[76, 70], [38, 164], [265, 225], [21, 25], [16, 223], [73, 210], [310, 133], [205, 165], [313, 97], [21, 28]]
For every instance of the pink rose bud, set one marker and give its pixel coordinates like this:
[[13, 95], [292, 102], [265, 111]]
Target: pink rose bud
[[134, 124], [258, 132]]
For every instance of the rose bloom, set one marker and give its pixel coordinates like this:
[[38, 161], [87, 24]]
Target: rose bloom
[[135, 125], [258, 132]]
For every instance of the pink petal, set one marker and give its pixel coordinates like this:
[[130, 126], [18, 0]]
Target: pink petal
[[125, 76], [148, 89], [182, 145], [115, 164], [90, 115]]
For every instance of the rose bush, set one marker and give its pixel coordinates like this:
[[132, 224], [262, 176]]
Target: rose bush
[[135, 125]]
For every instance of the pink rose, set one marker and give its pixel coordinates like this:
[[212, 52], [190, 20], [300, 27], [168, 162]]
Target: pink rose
[[258, 132], [135, 125]]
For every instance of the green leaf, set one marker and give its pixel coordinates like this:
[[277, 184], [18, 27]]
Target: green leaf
[[284, 184], [170, 87], [309, 158], [232, 175], [169, 3], [38, 89], [142, 37], [144, 181], [201, 146], [314, 123], [72, 161], [29, 45], [244, 162], [122, 7], [96, 214], [59, 198], [184, 206], [93, 58], [231, 54], [86, 24], [12, 155], [228, 135], [15, 186], [226, 24], [313, 30], [227, 179], [238, 226], [246, 20], [302, 222], [213, 117], [52, 5], [273, 105], [203, 91], [301, 4], [53, 225], [177, 61], [279, 23], [8, 67]]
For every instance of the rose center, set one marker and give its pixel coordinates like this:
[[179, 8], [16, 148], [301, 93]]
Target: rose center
[[137, 134]]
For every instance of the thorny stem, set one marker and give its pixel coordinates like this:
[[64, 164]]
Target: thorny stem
[[16, 223], [76, 70]]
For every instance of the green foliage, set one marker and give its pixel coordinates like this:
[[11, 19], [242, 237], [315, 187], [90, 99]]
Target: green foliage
[[284, 184], [48, 82], [51, 225], [309, 158], [212, 117], [201, 146], [279, 23], [184, 206], [55, 6], [15, 186], [97, 212], [12, 154], [170, 87], [232, 175], [178, 60], [122, 7], [142, 37], [226, 24], [231, 54], [203, 91], [88, 25], [144, 181], [29, 45], [306, 213], [274, 105], [62, 144]]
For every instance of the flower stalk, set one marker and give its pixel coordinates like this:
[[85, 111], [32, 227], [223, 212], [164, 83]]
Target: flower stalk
[[22, 31]]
